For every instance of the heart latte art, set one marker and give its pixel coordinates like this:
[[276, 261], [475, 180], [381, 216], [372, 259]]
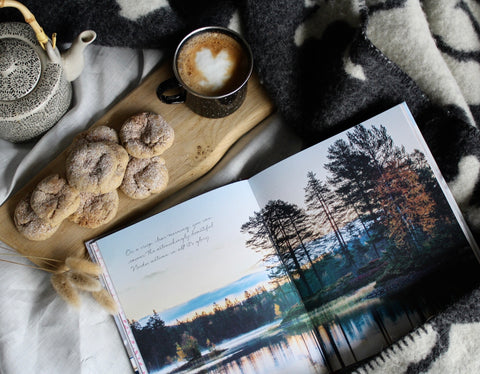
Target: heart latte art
[[212, 64], [215, 70]]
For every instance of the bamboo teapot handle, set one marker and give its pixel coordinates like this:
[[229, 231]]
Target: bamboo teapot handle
[[29, 18]]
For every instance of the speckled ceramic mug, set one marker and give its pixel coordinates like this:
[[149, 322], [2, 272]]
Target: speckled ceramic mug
[[212, 66]]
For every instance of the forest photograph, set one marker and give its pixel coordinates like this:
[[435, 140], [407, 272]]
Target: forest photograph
[[367, 237]]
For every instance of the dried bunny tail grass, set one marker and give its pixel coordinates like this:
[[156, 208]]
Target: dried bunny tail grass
[[62, 268], [52, 265], [106, 301], [83, 266], [65, 289], [83, 281]]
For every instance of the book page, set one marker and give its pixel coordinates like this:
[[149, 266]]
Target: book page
[[366, 228], [195, 296]]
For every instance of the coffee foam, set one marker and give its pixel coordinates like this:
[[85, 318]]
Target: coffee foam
[[215, 70], [212, 63]]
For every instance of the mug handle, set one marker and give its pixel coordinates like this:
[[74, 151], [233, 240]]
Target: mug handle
[[171, 84]]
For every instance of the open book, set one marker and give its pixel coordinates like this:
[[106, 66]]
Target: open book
[[313, 265]]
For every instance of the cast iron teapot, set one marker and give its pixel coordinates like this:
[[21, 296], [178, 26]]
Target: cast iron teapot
[[35, 89]]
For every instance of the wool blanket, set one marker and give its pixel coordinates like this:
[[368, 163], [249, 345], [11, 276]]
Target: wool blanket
[[328, 65]]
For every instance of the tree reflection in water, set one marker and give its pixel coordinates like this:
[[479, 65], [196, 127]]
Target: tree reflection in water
[[265, 353], [290, 354]]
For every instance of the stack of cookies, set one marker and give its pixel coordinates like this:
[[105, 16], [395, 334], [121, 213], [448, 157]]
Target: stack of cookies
[[39, 214], [145, 137], [98, 164]]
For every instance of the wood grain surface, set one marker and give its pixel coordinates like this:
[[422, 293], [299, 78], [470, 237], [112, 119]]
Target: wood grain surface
[[199, 144]]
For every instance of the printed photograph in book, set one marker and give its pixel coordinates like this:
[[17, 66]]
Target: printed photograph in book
[[311, 266], [362, 226]]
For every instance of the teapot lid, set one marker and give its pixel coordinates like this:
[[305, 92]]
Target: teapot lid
[[20, 62], [20, 69]]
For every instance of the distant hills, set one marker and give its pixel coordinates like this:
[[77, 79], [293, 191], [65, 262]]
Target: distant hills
[[233, 290]]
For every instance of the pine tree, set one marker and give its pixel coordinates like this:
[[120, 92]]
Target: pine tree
[[319, 198], [282, 227]]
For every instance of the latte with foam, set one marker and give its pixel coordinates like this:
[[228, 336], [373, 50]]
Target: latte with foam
[[212, 64]]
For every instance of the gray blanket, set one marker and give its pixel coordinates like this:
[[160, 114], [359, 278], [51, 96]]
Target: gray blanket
[[328, 65]]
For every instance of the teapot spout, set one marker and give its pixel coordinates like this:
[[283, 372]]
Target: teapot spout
[[73, 60]]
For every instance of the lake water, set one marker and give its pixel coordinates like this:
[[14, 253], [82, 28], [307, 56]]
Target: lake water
[[263, 351], [362, 333], [343, 339]]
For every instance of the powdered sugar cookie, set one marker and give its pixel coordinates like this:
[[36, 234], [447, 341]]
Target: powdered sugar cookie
[[97, 134], [95, 209], [144, 176], [146, 135], [96, 167], [53, 199], [29, 224]]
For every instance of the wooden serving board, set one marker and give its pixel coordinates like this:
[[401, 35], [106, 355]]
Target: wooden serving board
[[199, 144]]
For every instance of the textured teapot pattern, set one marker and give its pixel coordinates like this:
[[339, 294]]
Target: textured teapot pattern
[[34, 93], [17, 79]]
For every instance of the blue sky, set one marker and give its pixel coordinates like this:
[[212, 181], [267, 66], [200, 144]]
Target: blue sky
[[205, 301], [209, 251]]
